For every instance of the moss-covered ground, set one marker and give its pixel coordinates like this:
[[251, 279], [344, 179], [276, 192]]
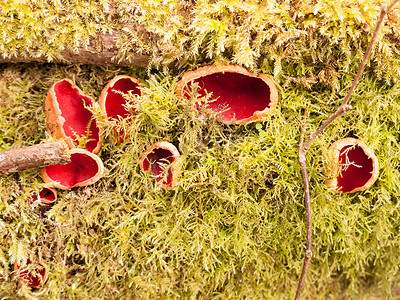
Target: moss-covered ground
[[234, 227]]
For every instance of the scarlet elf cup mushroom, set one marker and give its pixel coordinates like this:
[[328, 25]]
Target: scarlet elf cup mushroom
[[163, 161], [112, 100], [239, 96], [46, 195], [84, 169], [31, 274], [69, 118], [352, 166]]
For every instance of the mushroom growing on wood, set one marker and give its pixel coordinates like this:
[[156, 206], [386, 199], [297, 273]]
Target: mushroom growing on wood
[[69, 118], [163, 161], [352, 166], [34, 276], [239, 96], [84, 169]]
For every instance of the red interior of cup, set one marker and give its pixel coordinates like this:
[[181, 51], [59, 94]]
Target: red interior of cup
[[115, 101], [78, 119], [355, 170], [81, 168], [33, 278], [234, 95], [158, 162], [46, 195]]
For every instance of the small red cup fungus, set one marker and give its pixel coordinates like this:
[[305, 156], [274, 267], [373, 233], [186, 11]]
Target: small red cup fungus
[[84, 169], [238, 95], [112, 102], [69, 118], [46, 195], [34, 276], [164, 162], [352, 166]]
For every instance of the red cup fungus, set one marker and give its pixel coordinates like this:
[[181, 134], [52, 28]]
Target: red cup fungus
[[84, 169], [46, 195], [352, 166], [34, 276], [69, 118], [239, 96], [112, 101], [163, 161]]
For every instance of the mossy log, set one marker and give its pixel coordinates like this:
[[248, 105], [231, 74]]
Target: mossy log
[[299, 41], [101, 51]]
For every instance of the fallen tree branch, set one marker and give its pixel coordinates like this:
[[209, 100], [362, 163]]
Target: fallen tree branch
[[37, 156], [304, 147]]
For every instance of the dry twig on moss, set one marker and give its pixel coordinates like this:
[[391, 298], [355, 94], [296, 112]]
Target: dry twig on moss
[[305, 146], [36, 156]]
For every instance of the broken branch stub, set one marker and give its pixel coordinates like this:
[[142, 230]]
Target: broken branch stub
[[36, 156]]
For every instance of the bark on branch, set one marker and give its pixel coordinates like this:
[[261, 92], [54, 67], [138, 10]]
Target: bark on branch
[[37, 156]]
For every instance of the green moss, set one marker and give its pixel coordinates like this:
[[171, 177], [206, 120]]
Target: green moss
[[235, 226]]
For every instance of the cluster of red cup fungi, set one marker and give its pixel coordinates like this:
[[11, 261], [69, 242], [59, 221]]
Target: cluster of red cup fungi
[[69, 118], [236, 95]]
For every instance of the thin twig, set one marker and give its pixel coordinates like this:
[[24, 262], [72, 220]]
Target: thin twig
[[340, 111], [303, 148], [302, 162], [303, 129], [366, 55], [391, 5]]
